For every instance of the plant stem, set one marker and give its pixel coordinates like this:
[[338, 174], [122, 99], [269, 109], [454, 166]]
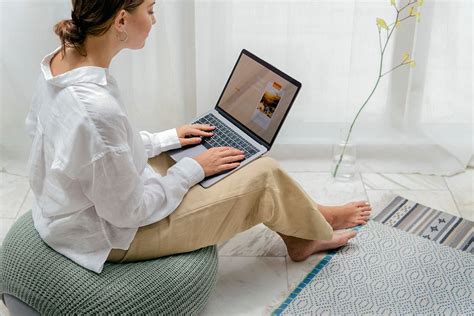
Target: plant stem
[[406, 6], [352, 125], [387, 72], [367, 100]]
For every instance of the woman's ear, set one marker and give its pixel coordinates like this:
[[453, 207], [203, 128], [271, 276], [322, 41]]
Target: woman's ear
[[120, 20]]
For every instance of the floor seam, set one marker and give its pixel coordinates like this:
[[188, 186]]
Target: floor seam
[[454, 199], [22, 203]]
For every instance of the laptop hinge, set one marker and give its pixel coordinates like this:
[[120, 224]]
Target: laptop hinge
[[249, 132]]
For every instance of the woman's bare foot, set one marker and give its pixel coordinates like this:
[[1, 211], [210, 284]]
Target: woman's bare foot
[[300, 249], [347, 215]]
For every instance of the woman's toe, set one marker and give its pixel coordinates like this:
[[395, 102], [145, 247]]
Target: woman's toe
[[360, 203], [361, 222]]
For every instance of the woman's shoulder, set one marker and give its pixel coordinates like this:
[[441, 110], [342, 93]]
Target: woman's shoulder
[[95, 111], [96, 98], [98, 125], [98, 102]]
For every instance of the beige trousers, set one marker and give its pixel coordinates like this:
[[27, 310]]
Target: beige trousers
[[260, 192]]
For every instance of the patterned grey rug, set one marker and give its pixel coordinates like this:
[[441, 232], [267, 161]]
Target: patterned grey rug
[[386, 271], [428, 223]]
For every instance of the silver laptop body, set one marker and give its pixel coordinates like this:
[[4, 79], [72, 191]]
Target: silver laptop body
[[254, 104]]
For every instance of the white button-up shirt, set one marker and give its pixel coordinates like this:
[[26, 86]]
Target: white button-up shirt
[[88, 167]]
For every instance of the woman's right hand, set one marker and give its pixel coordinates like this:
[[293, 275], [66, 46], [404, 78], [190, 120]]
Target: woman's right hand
[[219, 159]]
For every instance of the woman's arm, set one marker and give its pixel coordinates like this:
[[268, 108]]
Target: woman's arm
[[127, 199], [102, 159], [156, 143]]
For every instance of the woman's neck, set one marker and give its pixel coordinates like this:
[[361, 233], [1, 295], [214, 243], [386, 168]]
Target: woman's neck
[[100, 52]]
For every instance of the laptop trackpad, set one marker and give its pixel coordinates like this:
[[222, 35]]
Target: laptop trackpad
[[187, 152]]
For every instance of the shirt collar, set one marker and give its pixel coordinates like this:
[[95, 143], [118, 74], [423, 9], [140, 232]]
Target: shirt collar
[[93, 74]]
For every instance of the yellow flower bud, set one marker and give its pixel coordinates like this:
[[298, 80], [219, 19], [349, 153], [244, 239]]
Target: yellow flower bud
[[381, 23], [412, 64], [397, 24], [420, 2], [392, 2], [405, 57]]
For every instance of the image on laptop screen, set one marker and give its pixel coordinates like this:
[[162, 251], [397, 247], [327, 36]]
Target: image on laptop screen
[[257, 97]]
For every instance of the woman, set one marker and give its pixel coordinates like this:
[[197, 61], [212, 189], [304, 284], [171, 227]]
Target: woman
[[98, 200]]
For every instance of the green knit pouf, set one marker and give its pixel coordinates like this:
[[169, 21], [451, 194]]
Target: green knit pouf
[[54, 285]]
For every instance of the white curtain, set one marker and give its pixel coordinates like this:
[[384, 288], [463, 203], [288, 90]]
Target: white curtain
[[419, 120]]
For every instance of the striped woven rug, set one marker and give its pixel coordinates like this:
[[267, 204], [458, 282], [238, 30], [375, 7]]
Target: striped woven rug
[[429, 223]]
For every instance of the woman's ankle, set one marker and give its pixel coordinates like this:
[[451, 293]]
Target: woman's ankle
[[328, 216], [298, 249]]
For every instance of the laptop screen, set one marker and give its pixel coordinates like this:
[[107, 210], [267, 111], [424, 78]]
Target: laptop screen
[[258, 96]]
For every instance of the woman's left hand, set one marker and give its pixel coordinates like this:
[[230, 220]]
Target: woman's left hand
[[191, 134]]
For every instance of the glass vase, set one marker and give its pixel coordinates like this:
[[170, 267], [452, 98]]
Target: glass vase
[[344, 169]]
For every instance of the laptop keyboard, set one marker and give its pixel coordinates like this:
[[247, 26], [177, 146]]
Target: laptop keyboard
[[224, 136]]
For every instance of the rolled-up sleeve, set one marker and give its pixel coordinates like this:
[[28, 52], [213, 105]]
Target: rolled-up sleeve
[[127, 199], [156, 143]]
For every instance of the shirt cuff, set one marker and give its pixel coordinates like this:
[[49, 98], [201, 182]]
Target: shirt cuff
[[169, 139], [193, 170]]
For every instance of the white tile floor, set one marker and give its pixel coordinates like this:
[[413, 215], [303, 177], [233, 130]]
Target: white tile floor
[[254, 270]]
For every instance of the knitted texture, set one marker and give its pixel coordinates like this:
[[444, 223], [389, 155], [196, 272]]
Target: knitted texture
[[54, 285]]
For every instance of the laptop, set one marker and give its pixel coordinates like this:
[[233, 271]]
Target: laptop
[[249, 113]]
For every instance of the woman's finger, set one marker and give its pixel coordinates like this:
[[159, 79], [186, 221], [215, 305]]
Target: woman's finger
[[228, 166], [197, 132], [229, 151], [222, 149], [190, 141], [203, 127], [231, 159]]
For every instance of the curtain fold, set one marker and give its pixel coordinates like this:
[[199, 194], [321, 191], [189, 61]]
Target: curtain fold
[[442, 88], [419, 120]]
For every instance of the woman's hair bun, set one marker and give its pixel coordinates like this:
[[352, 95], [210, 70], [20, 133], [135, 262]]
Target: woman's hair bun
[[70, 33], [90, 17]]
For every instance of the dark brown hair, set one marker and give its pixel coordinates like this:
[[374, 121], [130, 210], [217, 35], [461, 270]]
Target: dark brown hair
[[90, 17]]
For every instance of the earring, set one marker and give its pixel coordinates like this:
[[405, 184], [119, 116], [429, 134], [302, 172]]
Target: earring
[[119, 36]]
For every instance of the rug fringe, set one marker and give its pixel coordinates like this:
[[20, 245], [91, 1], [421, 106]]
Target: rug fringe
[[281, 297]]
